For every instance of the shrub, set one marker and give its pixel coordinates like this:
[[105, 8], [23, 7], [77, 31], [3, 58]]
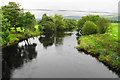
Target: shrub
[[89, 28], [27, 33], [103, 25], [82, 21]]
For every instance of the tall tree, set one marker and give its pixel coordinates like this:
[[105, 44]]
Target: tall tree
[[11, 12], [92, 18], [5, 30], [70, 24], [59, 23], [48, 23], [28, 20]]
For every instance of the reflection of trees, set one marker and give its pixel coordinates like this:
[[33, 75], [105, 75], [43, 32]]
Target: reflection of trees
[[56, 38], [59, 38], [47, 41], [14, 57]]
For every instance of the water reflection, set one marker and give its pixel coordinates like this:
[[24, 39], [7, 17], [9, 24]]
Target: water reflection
[[62, 61], [57, 39], [14, 57], [46, 40]]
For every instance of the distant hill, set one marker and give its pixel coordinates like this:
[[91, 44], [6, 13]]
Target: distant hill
[[111, 17], [67, 17], [37, 19], [73, 17]]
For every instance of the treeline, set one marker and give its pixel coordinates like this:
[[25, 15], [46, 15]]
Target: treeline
[[115, 21], [50, 24], [13, 17], [93, 24]]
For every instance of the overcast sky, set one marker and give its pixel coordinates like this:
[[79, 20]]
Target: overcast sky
[[86, 5]]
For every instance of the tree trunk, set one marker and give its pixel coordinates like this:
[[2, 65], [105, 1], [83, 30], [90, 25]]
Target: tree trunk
[[9, 28], [15, 29]]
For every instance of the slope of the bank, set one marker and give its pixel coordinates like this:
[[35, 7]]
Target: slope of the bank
[[103, 46]]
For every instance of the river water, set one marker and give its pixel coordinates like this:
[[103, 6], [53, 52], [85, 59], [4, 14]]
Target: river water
[[52, 56]]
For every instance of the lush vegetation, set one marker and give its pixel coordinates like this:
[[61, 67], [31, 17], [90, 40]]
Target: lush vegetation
[[99, 37], [50, 24], [89, 28], [93, 24], [17, 25], [104, 46]]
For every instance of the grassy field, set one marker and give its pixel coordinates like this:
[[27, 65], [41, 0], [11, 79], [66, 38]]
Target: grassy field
[[104, 46], [114, 30]]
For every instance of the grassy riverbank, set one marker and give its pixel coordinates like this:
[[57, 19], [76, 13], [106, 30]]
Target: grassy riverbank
[[104, 46], [15, 37]]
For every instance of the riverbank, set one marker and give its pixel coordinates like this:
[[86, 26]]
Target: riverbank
[[20, 35], [105, 47]]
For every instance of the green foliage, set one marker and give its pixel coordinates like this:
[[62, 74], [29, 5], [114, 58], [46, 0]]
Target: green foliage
[[29, 21], [5, 24], [5, 37], [70, 24], [59, 23], [82, 21], [11, 12], [40, 27], [89, 28], [47, 24], [103, 25], [47, 18], [5, 28], [56, 23], [27, 33]]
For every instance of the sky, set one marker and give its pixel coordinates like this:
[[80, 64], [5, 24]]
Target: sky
[[85, 5]]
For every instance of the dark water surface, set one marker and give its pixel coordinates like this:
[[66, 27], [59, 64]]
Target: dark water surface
[[51, 57]]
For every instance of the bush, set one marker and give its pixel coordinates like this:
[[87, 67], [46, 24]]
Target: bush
[[82, 21], [103, 25], [89, 28], [27, 33]]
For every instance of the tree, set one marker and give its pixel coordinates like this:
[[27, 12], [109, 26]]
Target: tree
[[40, 27], [89, 28], [70, 24], [11, 12], [59, 23], [92, 18], [5, 30], [47, 24], [28, 20], [103, 25]]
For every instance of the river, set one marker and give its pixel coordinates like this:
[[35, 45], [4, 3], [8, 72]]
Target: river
[[52, 56]]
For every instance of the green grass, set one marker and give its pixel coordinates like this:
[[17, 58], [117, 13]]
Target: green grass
[[16, 36], [114, 30], [104, 46]]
